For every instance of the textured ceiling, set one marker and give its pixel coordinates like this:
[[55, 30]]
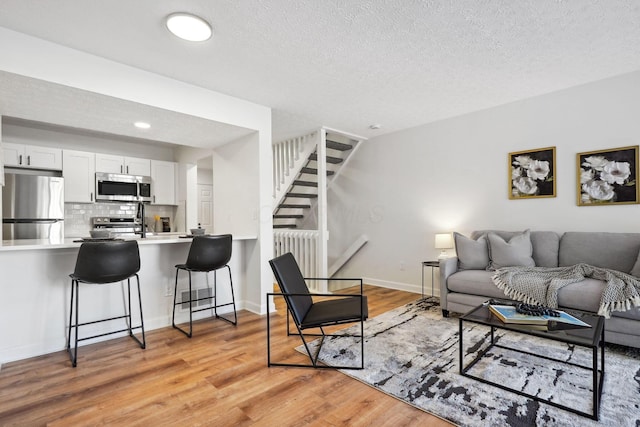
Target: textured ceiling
[[350, 64]]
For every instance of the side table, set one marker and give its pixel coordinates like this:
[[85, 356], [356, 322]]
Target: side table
[[432, 264]]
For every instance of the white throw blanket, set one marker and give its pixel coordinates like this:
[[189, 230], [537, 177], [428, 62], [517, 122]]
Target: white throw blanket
[[540, 285]]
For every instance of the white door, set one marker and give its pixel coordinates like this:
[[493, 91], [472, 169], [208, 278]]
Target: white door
[[205, 207]]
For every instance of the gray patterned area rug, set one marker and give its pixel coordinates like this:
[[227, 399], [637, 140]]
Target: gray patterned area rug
[[411, 353]]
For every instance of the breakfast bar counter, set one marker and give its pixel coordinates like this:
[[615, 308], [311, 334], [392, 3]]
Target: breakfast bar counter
[[74, 242], [36, 289]]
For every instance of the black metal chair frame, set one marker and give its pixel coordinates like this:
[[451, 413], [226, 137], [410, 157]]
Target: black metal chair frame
[[74, 309], [207, 253], [314, 357], [213, 307]]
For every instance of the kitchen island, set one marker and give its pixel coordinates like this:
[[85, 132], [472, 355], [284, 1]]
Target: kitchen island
[[35, 287]]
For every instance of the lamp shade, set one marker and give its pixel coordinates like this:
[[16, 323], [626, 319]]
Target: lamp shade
[[444, 241]]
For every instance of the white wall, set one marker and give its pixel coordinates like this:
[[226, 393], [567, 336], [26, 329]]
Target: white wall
[[235, 169], [402, 188]]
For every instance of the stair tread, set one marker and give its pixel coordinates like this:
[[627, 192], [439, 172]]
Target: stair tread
[[314, 171], [330, 159], [335, 145], [302, 195], [293, 206], [305, 183], [283, 216]]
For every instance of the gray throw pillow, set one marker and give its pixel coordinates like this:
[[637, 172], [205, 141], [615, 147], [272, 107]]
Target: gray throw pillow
[[635, 271], [472, 254], [518, 251]]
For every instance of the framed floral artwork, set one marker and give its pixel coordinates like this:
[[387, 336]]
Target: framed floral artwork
[[608, 177], [532, 173]]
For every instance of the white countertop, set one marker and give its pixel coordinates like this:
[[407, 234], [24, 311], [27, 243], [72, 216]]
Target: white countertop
[[74, 242]]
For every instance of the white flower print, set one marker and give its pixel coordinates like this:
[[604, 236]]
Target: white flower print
[[616, 172]]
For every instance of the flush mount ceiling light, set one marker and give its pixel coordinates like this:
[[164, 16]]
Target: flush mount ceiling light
[[142, 125], [189, 27]]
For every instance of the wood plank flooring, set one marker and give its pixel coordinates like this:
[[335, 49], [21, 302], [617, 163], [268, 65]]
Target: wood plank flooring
[[217, 378]]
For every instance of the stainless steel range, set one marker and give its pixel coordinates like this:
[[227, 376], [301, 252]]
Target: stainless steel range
[[118, 226]]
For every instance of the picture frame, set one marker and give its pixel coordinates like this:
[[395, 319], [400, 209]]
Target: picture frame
[[532, 173], [607, 177]]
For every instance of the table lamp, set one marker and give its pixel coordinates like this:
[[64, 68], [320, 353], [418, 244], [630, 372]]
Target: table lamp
[[444, 241]]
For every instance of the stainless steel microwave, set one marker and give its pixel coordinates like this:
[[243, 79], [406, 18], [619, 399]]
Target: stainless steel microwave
[[115, 187]]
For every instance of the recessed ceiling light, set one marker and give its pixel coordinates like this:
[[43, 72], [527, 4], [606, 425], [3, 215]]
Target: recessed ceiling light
[[189, 27], [142, 125]]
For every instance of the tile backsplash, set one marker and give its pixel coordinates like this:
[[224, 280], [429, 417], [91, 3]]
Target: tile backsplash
[[77, 216]]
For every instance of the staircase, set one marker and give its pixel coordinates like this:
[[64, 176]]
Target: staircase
[[300, 198], [295, 207]]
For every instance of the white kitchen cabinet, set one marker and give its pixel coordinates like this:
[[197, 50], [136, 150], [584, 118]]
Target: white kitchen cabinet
[[78, 171], [137, 166], [163, 182], [31, 156], [118, 164]]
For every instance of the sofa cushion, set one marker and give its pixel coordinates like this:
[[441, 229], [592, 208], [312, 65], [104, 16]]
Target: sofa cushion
[[518, 251], [585, 295], [617, 251], [474, 282], [472, 254], [635, 270], [545, 244]]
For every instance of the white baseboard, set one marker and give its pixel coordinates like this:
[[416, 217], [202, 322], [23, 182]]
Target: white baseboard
[[408, 287]]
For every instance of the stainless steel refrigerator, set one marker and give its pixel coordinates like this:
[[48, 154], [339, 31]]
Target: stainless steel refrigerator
[[32, 207]]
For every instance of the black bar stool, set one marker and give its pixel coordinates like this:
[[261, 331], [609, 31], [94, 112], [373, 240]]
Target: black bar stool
[[103, 263], [207, 253]]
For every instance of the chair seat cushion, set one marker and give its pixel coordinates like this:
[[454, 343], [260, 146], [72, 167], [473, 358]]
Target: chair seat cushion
[[335, 310]]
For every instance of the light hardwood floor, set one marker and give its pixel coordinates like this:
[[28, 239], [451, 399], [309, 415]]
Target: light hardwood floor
[[217, 378]]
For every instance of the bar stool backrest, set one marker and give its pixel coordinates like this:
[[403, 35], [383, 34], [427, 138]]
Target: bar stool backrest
[[107, 262], [208, 253]]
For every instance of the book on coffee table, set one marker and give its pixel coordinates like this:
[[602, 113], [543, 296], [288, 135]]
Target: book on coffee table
[[508, 314]]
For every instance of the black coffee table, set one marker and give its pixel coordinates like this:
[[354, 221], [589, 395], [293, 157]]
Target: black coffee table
[[592, 338]]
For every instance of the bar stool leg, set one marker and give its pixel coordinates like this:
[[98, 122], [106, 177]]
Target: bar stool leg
[[144, 340], [190, 307], [233, 298], [73, 355], [127, 314], [175, 294], [143, 343]]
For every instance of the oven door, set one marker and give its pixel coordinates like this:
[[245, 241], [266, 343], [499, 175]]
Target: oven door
[[116, 187]]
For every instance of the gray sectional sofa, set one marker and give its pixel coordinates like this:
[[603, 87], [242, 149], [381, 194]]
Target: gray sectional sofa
[[465, 282]]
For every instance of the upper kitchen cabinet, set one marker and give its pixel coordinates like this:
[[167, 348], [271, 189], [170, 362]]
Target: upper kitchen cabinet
[[31, 156], [118, 164], [79, 172], [163, 182]]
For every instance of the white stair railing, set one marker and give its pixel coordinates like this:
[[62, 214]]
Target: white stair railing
[[303, 244], [289, 156], [347, 254]]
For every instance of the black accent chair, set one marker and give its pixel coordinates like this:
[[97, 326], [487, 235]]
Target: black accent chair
[[104, 263], [334, 309], [207, 253]]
